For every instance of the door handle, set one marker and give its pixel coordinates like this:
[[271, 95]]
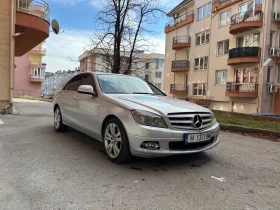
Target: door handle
[[76, 97]]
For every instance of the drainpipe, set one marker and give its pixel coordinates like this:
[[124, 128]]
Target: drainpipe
[[12, 48]]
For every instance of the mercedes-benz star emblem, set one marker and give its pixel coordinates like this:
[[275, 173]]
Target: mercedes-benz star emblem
[[197, 121]]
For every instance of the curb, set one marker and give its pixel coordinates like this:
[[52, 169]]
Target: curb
[[248, 130]]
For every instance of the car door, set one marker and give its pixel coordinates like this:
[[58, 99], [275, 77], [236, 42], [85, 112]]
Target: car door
[[69, 100], [88, 107]]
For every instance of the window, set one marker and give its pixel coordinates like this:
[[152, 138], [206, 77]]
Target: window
[[147, 66], [268, 75], [104, 59], [278, 79], [199, 89], [88, 80], [146, 77], [158, 63], [246, 75], [223, 47], [250, 40], [158, 85], [74, 83], [158, 74], [271, 39], [247, 6], [225, 18], [203, 37], [221, 77], [204, 11], [201, 63]]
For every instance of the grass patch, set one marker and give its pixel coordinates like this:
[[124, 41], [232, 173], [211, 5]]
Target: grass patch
[[266, 125]]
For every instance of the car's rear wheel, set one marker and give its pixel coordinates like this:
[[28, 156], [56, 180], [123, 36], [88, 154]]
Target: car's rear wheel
[[58, 123], [116, 142]]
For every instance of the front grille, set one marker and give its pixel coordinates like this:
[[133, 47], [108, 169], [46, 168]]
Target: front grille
[[184, 121], [180, 145]]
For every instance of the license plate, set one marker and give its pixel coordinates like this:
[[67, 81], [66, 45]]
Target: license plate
[[190, 138]]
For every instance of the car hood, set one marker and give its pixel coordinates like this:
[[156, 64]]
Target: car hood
[[158, 104]]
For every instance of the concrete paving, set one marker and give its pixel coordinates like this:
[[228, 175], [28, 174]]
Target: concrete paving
[[42, 169]]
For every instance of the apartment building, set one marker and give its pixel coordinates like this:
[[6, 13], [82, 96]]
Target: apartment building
[[30, 70], [24, 25], [215, 51], [55, 81], [146, 66]]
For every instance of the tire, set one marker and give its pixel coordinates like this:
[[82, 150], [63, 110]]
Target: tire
[[116, 142], [58, 123]]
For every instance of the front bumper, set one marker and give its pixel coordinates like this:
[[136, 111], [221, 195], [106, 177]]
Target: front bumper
[[171, 141]]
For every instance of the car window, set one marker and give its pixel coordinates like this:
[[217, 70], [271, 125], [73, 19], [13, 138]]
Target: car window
[[74, 83], [88, 80], [120, 84]]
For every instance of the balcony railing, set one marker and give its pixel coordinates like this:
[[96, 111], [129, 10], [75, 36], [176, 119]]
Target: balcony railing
[[225, 1], [180, 64], [39, 50], [248, 16], [38, 63], [244, 52], [178, 87], [37, 8], [40, 77], [242, 87], [179, 19], [181, 39]]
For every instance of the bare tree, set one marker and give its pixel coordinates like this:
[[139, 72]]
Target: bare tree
[[122, 27]]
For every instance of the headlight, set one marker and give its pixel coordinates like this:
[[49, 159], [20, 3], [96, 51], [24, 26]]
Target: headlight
[[213, 118], [148, 118]]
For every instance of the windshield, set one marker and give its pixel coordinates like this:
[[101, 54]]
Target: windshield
[[121, 84]]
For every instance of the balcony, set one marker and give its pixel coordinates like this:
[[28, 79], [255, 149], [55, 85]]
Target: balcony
[[33, 22], [38, 51], [178, 89], [221, 4], [244, 55], [242, 90], [38, 64], [181, 42], [245, 21], [37, 78], [183, 20], [180, 66]]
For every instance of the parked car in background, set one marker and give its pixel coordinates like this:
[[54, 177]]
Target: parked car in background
[[132, 117]]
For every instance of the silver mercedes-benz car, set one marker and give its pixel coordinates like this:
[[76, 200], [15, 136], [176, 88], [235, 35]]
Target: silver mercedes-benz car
[[132, 117]]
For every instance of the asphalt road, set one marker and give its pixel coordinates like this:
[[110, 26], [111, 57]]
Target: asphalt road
[[42, 169]]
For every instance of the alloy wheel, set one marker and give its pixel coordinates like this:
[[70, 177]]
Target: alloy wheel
[[113, 140]]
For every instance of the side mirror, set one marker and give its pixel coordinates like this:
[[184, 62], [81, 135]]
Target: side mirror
[[86, 89]]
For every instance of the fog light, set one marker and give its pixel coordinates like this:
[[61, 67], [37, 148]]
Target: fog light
[[150, 145]]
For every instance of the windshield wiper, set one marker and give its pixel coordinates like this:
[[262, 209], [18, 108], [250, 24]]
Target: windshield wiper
[[143, 93]]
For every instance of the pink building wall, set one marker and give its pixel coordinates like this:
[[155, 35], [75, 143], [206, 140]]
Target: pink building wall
[[22, 75]]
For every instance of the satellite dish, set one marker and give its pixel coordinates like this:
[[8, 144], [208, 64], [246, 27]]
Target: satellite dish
[[55, 26]]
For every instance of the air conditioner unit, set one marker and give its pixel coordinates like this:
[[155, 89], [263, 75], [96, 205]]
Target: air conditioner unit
[[273, 52], [276, 16], [269, 88], [275, 88], [176, 15]]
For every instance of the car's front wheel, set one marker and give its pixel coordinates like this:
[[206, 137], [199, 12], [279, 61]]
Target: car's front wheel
[[58, 123], [116, 142]]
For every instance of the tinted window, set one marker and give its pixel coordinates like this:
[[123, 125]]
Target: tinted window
[[74, 83], [88, 80]]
